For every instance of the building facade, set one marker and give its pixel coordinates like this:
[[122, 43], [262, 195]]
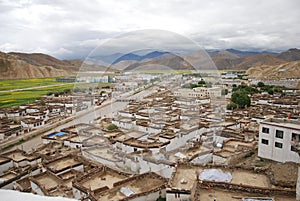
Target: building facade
[[278, 139]]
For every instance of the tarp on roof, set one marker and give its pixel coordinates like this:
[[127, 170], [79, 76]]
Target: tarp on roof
[[126, 191], [215, 175], [60, 133], [57, 134], [180, 155]]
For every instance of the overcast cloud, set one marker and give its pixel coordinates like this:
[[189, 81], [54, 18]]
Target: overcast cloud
[[72, 28]]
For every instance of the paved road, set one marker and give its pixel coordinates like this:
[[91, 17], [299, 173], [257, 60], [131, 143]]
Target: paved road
[[109, 109]]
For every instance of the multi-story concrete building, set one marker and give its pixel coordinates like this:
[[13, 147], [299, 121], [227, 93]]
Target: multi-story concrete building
[[278, 139], [198, 92]]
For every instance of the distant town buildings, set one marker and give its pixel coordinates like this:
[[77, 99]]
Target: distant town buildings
[[198, 92], [172, 144]]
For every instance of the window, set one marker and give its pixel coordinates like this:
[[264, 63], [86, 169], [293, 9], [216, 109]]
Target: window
[[279, 134], [296, 138], [293, 149], [278, 144], [264, 141], [265, 130]]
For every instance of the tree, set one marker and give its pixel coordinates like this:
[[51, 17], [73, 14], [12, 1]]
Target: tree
[[102, 92], [271, 91], [260, 84], [245, 89], [241, 99], [224, 92], [231, 106]]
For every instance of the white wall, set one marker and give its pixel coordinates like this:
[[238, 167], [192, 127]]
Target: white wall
[[36, 188], [123, 124], [162, 169], [183, 197], [203, 159], [269, 151], [99, 159], [181, 139], [6, 166], [150, 196], [78, 168], [298, 186], [78, 194], [218, 160]]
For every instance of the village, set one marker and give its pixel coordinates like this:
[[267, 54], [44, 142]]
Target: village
[[173, 143]]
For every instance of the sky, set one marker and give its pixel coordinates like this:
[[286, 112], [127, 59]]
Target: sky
[[70, 29]]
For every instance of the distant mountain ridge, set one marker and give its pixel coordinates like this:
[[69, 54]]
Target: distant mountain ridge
[[16, 65], [290, 55], [240, 60], [170, 62], [135, 57]]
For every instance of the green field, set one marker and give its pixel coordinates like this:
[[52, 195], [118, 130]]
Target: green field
[[26, 83], [16, 98]]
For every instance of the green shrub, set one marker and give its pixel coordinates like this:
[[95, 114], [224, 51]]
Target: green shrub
[[112, 127], [231, 106]]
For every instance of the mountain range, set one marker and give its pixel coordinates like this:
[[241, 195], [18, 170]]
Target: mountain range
[[35, 65]]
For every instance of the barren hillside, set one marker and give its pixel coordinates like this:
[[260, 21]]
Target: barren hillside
[[12, 67], [286, 70]]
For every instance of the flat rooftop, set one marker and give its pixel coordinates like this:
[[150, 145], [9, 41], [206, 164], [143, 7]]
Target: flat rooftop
[[78, 138], [287, 123], [96, 140], [140, 184], [239, 176], [102, 179], [48, 181], [7, 176], [103, 152], [63, 163], [4, 160], [16, 155]]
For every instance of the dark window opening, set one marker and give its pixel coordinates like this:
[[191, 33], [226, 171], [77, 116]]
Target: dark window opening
[[278, 144], [293, 149], [279, 134], [265, 130], [264, 141]]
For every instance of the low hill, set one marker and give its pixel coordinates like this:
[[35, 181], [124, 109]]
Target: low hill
[[258, 60], [16, 65], [12, 67], [39, 59], [286, 70]]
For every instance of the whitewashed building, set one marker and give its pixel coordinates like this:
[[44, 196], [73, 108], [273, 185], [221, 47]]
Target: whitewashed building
[[278, 138]]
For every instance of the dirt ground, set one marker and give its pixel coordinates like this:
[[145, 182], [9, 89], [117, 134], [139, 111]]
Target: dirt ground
[[249, 178], [223, 195], [285, 174]]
